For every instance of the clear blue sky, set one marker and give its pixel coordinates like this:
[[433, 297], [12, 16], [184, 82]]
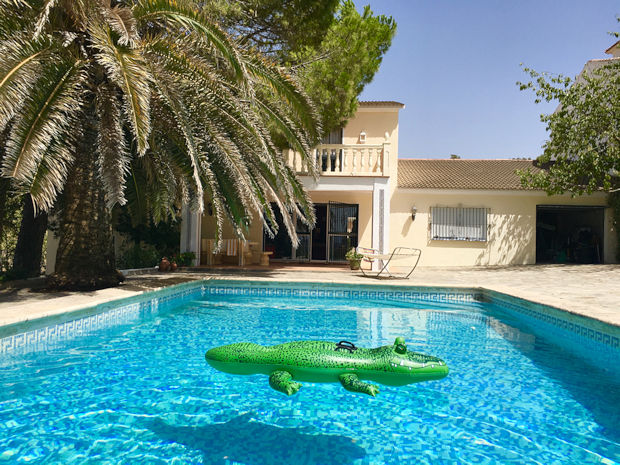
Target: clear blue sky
[[454, 64]]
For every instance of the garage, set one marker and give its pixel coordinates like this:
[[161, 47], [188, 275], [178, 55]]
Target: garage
[[569, 234]]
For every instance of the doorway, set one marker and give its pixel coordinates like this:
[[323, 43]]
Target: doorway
[[334, 233], [569, 234]]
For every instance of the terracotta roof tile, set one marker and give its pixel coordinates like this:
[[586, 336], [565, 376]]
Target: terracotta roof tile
[[461, 174], [380, 103]]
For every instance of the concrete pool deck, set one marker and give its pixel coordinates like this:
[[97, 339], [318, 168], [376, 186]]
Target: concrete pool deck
[[589, 290]]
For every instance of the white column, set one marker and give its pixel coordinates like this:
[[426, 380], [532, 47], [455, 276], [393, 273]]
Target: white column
[[381, 216], [50, 254], [190, 232]]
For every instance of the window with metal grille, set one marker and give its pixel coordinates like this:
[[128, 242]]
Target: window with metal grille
[[458, 224]]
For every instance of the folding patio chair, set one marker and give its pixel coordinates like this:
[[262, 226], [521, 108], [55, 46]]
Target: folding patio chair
[[385, 260]]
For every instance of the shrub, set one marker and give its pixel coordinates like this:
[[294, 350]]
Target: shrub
[[138, 256], [185, 258]]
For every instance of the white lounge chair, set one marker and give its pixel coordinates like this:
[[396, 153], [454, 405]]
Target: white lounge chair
[[385, 260]]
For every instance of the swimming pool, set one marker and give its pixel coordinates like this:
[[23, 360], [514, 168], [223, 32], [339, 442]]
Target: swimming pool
[[130, 385]]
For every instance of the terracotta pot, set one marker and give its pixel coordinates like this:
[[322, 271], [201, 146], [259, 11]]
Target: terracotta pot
[[173, 266], [164, 265]]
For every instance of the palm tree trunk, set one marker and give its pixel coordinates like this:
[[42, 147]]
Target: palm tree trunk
[[85, 257], [27, 258]]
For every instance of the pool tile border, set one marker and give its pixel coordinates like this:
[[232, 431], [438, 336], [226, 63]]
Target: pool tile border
[[560, 322], [32, 335], [344, 291]]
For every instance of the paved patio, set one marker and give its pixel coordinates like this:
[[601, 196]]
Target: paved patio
[[589, 290]]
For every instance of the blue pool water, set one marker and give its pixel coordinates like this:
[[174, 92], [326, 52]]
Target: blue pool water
[[141, 392]]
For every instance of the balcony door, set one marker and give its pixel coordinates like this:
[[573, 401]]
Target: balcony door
[[334, 137]]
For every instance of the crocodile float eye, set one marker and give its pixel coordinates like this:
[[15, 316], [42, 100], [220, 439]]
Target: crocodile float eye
[[401, 348]]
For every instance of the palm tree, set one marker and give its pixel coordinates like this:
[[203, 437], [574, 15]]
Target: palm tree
[[103, 94]]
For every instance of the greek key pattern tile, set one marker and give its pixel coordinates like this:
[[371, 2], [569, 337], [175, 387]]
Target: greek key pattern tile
[[561, 326], [399, 295], [41, 338], [109, 314]]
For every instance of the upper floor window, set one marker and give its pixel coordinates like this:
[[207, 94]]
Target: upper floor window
[[334, 137], [458, 224]]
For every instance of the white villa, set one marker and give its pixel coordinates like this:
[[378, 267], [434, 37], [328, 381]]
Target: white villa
[[458, 212]]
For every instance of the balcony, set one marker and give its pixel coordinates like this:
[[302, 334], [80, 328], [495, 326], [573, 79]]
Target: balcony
[[344, 160]]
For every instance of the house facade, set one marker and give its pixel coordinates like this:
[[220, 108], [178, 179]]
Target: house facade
[[458, 212], [475, 212], [358, 167]]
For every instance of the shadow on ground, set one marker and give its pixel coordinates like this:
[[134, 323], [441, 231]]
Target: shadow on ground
[[28, 290], [245, 441]]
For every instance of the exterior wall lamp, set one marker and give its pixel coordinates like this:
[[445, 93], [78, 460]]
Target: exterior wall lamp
[[414, 210], [362, 137]]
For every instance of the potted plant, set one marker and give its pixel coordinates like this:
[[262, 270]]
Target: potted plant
[[354, 258], [185, 258]]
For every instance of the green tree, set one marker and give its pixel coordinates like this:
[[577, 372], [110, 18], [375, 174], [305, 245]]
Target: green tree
[[275, 27], [332, 49], [100, 93], [582, 154], [335, 73]]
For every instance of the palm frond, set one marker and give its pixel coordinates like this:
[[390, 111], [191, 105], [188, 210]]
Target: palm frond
[[126, 68], [17, 3], [134, 192], [185, 15], [300, 198], [122, 21], [273, 189], [43, 17], [286, 89], [78, 12], [174, 57], [51, 173], [113, 157], [182, 119], [15, 16], [20, 66], [288, 128], [48, 114], [150, 191]]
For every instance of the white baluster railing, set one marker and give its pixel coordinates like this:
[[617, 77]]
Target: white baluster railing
[[344, 160]]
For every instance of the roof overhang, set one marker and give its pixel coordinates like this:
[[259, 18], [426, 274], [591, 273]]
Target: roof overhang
[[494, 192], [379, 106], [609, 51]]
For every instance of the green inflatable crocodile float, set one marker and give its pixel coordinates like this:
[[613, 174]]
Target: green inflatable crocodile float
[[328, 362]]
